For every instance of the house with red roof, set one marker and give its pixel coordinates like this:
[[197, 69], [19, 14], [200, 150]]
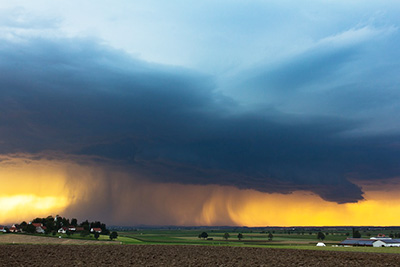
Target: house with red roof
[[63, 230], [79, 229], [95, 230], [39, 228], [15, 228]]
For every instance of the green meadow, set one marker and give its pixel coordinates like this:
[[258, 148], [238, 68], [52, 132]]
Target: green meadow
[[250, 239]]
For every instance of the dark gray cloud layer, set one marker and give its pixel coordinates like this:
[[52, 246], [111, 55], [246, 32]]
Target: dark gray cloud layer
[[169, 124]]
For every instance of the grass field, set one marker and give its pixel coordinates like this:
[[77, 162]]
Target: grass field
[[280, 240]]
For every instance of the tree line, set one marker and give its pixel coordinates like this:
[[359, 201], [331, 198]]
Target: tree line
[[53, 224]]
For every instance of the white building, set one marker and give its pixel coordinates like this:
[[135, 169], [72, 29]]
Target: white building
[[372, 242]]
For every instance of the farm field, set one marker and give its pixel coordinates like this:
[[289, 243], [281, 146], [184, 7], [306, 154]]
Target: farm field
[[172, 255], [250, 239], [215, 238]]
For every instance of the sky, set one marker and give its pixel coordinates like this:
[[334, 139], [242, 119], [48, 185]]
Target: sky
[[247, 113]]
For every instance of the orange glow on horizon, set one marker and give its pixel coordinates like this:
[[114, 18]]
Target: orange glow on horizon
[[21, 207], [251, 208], [37, 188], [32, 188]]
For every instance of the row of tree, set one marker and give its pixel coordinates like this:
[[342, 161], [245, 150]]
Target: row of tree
[[320, 235], [226, 236]]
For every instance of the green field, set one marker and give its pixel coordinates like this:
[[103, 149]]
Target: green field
[[281, 239], [250, 239]]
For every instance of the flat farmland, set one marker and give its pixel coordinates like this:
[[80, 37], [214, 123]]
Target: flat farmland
[[183, 255]]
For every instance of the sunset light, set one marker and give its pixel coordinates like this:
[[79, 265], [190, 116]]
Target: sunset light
[[24, 207], [57, 188]]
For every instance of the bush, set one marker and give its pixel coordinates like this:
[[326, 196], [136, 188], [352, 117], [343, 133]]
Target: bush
[[113, 235]]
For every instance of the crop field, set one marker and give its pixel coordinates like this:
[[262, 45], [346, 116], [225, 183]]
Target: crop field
[[250, 239], [185, 248], [184, 255], [280, 240]]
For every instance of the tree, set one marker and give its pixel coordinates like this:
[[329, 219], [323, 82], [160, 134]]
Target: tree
[[47, 231], [270, 236], [23, 226], [30, 228], [113, 235], [240, 236], [356, 234], [37, 220], [97, 235], [321, 236], [226, 236], [74, 222], [49, 227], [104, 230], [204, 235], [85, 225]]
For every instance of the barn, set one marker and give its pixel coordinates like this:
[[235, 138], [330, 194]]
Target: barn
[[391, 242], [362, 242], [373, 242]]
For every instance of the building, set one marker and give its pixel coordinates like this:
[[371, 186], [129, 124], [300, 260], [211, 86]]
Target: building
[[372, 242], [39, 228], [98, 230], [72, 228], [79, 229], [391, 242], [63, 230], [15, 228]]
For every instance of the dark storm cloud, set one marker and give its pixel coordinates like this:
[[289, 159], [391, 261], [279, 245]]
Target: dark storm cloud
[[170, 125]]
